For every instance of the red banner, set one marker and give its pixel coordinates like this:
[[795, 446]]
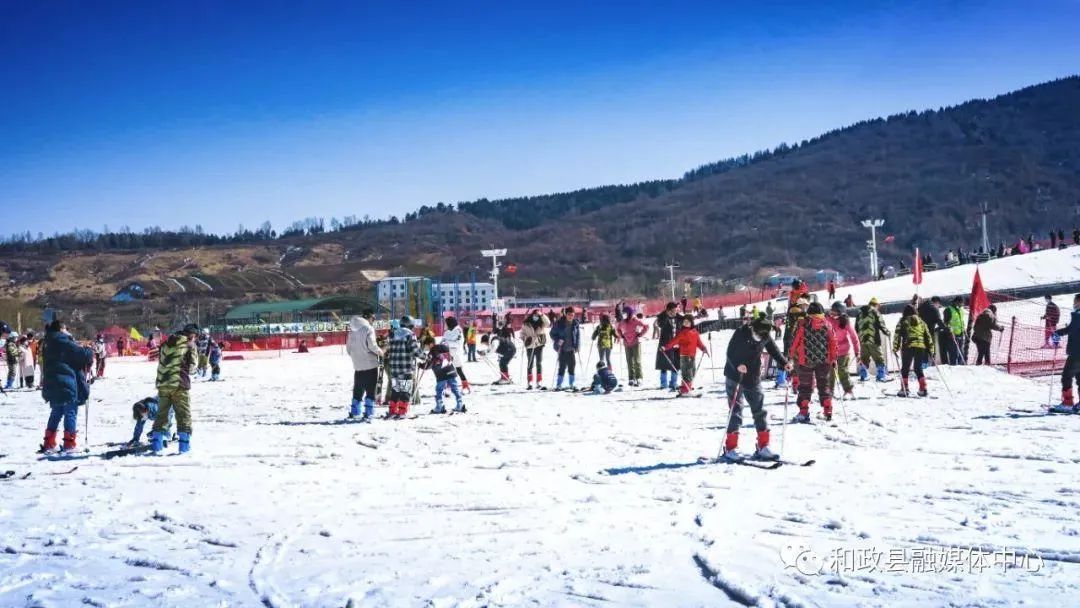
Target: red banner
[[979, 300], [916, 269]]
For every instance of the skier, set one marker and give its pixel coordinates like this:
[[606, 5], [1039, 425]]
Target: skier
[[953, 335], [913, 342], [930, 313], [402, 355], [143, 410], [202, 347], [1071, 370], [64, 385], [664, 329], [534, 336], [604, 380], [687, 342], [605, 337], [441, 363], [795, 313], [1050, 318], [176, 360], [742, 381], [832, 290], [846, 342], [454, 339], [813, 349], [506, 351], [982, 335], [630, 330], [214, 359], [100, 354], [26, 363], [11, 355], [366, 358], [870, 325], [470, 341], [566, 339]]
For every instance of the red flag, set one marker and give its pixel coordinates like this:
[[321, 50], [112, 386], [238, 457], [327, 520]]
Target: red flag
[[511, 269], [890, 238], [979, 299], [916, 269]]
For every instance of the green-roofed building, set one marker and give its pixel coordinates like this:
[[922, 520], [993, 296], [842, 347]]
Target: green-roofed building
[[318, 314]]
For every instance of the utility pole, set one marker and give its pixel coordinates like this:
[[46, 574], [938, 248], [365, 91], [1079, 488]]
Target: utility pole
[[671, 273], [873, 225], [494, 254], [985, 233]]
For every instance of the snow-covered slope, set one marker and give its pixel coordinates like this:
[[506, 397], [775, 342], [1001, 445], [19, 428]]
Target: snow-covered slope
[[1038, 268], [535, 499]]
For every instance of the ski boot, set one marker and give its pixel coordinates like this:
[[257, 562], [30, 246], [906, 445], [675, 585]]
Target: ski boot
[[460, 409], [157, 442], [49, 446], [922, 388], [848, 396], [439, 410], [864, 374], [803, 417], [763, 452], [1063, 408], [881, 377], [826, 409], [185, 443], [354, 409]]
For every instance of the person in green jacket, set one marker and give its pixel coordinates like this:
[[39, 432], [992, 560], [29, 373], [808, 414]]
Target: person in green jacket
[[951, 339], [913, 343], [176, 360], [869, 325], [605, 337]]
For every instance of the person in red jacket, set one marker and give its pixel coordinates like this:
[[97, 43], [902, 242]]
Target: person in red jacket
[[688, 341], [813, 350]]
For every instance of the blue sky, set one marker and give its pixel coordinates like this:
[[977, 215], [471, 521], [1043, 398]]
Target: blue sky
[[221, 113]]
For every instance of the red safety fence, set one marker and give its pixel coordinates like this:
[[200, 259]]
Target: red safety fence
[[1024, 346]]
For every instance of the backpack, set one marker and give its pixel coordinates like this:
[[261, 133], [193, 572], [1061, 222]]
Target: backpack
[[443, 365]]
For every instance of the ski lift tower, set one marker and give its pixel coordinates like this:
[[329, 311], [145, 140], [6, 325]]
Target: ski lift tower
[[671, 273], [494, 254], [873, 225]]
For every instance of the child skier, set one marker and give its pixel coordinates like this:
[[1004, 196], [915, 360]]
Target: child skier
[[813, 349], [687, 341], [742, 380], [631, 329], [605, 338], [202, 347], [402, 356], [534, 336], [506, 351], [604, 380], [441, 363], [1072, 361], [846, 342], [796, 312], [914, 343], [144, 410]]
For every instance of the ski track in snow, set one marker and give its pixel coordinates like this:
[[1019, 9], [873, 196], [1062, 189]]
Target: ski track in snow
[[534, 499]]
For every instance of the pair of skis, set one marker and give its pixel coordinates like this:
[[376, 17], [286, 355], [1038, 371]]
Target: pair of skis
[[767, 465]]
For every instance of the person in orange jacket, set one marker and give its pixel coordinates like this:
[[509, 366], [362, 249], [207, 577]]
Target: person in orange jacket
[[688, 341], [813, 350]]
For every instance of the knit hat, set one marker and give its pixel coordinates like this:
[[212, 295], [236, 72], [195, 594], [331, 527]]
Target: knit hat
[[816, 309], [600, 365], [873, 301], [761, 325]]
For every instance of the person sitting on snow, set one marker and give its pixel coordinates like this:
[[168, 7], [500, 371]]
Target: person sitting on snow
[[604, 380]]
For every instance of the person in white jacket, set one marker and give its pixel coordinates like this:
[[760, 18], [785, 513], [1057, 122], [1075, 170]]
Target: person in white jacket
[[366, 357], [26, 363], [454, 339]]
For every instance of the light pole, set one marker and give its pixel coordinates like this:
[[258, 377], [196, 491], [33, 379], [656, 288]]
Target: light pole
[[494, 254], [873, 225], [671, 273], [985, 232]]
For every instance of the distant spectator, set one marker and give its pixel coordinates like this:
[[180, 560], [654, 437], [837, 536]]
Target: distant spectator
[[1076, 236], [1050, 319], [1053, 240]]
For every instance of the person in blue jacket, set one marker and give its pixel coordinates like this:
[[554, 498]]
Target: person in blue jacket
[[215, 361], [144, 410], [566, 339], [63, 385], [1072, 361], [604, 380]]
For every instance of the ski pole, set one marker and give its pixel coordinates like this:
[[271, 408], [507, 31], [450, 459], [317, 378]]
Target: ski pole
[[731, 414], [843, 408], [783, 427], [942, 376], [1053, 366], [712, 364]]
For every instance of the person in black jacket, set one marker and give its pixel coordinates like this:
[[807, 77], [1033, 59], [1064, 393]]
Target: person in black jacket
[[742, 380], [1072, 361], [666, 361], [930, 313], [63, 384]]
